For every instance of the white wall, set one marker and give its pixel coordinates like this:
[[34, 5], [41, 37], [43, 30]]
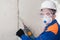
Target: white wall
[[8, 19], [29, 12]]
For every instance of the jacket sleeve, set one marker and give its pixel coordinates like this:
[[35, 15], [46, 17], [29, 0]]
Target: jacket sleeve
[[24, 37], [43, 36], [46, 36]]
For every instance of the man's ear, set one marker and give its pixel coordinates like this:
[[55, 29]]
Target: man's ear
[[54, 16]]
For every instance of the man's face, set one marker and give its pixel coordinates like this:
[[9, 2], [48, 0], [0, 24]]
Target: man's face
[[47, 12]]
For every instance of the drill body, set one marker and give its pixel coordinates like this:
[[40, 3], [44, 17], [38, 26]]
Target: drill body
[[28, 32]]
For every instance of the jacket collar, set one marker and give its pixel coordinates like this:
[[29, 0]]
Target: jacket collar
[[53, 22]]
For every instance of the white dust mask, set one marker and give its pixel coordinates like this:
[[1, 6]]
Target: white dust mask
[[47, 19]]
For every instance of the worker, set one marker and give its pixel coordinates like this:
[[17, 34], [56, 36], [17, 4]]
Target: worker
[[52, 29]]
